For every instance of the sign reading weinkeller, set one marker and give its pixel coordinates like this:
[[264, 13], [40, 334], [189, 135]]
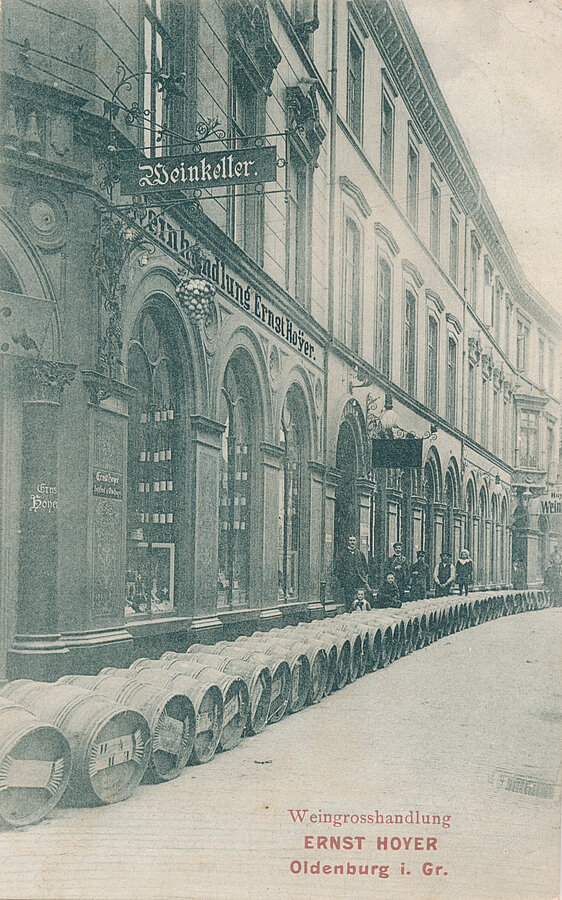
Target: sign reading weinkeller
[[201, 170]]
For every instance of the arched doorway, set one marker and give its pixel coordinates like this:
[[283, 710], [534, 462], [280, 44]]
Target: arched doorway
[[294, 438], [346, 517], [471, 537], [155, 468], [451, 504], [241, 414], [430, 496], [483, 546]]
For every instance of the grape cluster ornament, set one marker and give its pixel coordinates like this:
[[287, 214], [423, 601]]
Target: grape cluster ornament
[[195, 295]]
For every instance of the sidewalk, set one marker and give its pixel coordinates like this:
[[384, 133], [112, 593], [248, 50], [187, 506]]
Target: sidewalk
[[469, 727]]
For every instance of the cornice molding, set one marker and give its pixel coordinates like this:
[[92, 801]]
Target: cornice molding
[[413, 272], [433, 297], [386, 235], [454, 322], [356, 194]]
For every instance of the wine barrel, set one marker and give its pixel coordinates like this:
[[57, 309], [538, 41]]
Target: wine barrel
[[392, 638], [316, 656], [206, 700], [333, 644], [357, 621], [281, 687], [258, 679], [327, 636], [35, 764], [235, 694], [356, 644], [110, 743], [171, 717], [330, 648]]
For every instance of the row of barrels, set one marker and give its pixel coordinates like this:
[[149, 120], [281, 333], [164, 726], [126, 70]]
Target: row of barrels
[[93, 739]]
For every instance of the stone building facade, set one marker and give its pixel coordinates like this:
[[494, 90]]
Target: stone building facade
[[168, 478]]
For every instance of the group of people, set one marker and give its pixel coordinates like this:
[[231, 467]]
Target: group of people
[[352, 571]]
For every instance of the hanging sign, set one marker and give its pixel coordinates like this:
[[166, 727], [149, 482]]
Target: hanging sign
[[201, 170], [397, 453]]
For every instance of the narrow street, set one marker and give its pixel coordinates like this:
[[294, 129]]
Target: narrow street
[[467, 728]]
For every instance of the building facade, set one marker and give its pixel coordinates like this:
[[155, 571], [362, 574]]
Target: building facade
[[168, 476]]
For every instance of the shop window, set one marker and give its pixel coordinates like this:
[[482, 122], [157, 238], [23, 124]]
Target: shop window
[[382, 324], [155, 459], [432, 363], [235, 493], [528, 439], [354, 84], [452, 381], [290, 490], [387, 140]]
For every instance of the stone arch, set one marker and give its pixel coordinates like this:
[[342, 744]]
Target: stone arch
[[242, 343], [297, 378]]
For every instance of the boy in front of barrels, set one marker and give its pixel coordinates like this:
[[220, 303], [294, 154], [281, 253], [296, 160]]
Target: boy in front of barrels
[[389, 593], [464, 571], [360, 601]]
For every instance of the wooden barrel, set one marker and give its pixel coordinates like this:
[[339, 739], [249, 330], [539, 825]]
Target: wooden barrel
[[281, 687], [35, 764], [327, 636], [110, 743], [316, 656], [359, 623], [391, 638], [332, 645], [171, 717], [206, 700], [356, 644], [235, 694], [258, 679]]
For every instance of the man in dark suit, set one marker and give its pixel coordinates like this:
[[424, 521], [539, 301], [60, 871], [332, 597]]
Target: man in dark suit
[[398, 565], [351, 571]]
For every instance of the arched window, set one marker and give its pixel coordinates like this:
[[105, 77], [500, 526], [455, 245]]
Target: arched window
[[432, 362], [235, 492], [155, 456], [471, 538], [290, 497], [346, 509], [452, 381], [483, 538], [382, 323], [451, 503]]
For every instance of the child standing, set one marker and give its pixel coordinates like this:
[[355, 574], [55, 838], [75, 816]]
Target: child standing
[[360, 601], [389, 593], [465, 571]]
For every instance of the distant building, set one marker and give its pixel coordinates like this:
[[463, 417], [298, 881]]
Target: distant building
[[166, 478]]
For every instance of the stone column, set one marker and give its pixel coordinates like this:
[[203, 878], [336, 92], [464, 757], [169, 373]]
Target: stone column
[[315, 605], [37, 647], [332, 599], [207, 439], [272, 461]]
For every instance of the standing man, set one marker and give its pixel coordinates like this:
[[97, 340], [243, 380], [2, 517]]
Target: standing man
[[398, 565], [351, 571], [444, 576], [420, 578]]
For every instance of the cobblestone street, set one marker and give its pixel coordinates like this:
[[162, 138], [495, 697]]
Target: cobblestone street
[[468, 727]]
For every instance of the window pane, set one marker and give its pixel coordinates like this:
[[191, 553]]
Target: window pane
[[387, 127]]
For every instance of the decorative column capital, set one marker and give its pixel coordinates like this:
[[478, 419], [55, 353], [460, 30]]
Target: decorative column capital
[[43, 381]]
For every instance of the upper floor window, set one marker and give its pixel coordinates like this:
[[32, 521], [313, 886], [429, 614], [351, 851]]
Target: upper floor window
[[498, 305], [412, 184], [528, 439], [474, 257], [471, 400], [485, 399], [454, 247], [541, 361], [507, 328], [506, 429], [157, 57], [452, 381], [387, 140], [496, 421], [489, 298], [522, 344], [432, 363], [551, 368], [435, 218], [246, 223], [352, 284], [296, 243], [382, 324], [354, 84], [409, 359]]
